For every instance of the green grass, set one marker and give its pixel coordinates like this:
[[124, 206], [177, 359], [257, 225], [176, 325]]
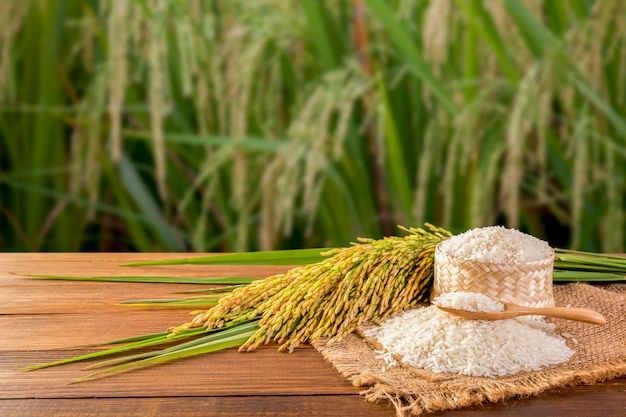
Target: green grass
[[202, 342], [261, 125], [148, 279]]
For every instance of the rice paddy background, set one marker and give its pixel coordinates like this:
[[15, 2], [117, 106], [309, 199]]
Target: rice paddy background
[[223, 125]]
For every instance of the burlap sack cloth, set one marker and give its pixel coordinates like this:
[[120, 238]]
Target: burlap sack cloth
[[600, 355]]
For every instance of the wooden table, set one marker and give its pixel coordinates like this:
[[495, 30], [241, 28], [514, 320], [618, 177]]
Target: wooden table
[[42, 320]]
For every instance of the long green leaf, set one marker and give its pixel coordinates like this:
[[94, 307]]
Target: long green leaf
[[401, 37], [250, 144], [135, 338], [140, 193], [208, 347], [577, 266], [149, 279], [235, 330], [159, 340], [537, 36], [123, 359], [482, 21], [396, 156], [591, 254], [588, 276], [590, 261], [275, 257], [319, 33], [210, 290], [191, 302], [171, 300]]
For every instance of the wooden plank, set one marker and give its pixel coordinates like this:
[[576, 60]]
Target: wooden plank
[[253, 406], [38, 319], [80, 318], [263, 372], [21, 295], [600, 400], [27, 296], [570, 403], [110, 264], [62, 331], [112, 257]]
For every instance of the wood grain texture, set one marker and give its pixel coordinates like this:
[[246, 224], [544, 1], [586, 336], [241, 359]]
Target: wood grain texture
[[42, 320], [249, 406], [264, 371], [66, 330], [570, 404], [22, 295]]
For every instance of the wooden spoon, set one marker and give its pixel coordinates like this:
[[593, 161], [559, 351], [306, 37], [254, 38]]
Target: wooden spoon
[[514, 310]]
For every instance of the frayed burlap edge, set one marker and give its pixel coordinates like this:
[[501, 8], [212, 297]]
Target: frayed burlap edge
[[488, 390], [443, 393]]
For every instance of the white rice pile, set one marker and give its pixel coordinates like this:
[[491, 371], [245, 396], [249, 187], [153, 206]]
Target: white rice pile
[[496, 244], [468, 301], [432, 339]]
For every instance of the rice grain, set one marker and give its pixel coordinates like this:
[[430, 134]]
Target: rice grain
[[432, 339]]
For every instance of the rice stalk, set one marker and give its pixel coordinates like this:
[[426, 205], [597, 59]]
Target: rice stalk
[[11, 15], [287, 74], [156, 92], [368, 281], [436, 32], [118, 67]]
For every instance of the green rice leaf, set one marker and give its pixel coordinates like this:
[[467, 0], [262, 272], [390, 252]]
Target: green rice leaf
[[605, 263], [320, 34], [577, 266], [169, 300], [582, 254], [538, 38], [572, 265], [141, 195], [210, 290], [401, 37], [191, 302], [138, 338], [250, 144], [147, 279], [214, 345], [158, 340], [273, 257], [397, 153], [123, 359], [196, 305], [234, 330], [588, 276], [484, 24]]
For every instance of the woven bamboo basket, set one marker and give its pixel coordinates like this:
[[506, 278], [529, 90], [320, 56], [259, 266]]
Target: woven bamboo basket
[[528, 284]]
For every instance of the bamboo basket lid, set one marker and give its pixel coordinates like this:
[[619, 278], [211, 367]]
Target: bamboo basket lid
[[528, 283]]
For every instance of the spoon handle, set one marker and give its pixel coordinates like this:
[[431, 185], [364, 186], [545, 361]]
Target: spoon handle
[[577, 314]]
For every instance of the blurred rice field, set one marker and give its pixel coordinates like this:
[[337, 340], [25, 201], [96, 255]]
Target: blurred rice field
[[239, 125]]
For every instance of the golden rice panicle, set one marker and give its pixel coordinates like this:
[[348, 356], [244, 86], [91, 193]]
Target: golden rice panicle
[[368, 281]]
